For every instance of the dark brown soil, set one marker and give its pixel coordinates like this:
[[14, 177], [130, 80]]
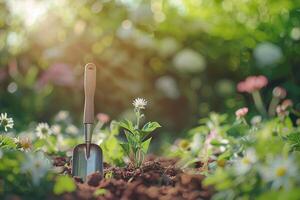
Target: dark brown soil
[[158, 178]]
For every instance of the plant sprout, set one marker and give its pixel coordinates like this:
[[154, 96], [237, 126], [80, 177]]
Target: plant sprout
[[137, 143]]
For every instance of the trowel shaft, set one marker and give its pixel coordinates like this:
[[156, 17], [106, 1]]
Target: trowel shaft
[[88, 137]]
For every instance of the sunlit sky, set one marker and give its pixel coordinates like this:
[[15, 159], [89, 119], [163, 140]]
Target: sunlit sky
[[29, 10]]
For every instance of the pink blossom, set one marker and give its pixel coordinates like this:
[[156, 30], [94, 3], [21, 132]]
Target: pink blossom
[[58, 74], [287, 104], [211, 136], [102, 117], [281, 111], [252, 83], [242, 112], [279, 92]]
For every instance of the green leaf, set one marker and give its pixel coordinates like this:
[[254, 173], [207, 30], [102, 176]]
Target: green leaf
[[126, 148], [132, 140], [7, 142], [238, 130], [64, 184], [226, 155], [150, 127], [145, 145], [294, 140], [126, 124], [100, 192]]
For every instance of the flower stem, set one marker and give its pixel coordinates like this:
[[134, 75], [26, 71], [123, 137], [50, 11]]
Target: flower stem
[[138, 116], [259, 103], [272, 107], [244, 121]]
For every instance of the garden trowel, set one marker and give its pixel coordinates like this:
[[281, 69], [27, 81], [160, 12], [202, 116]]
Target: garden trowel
[[87, 158]]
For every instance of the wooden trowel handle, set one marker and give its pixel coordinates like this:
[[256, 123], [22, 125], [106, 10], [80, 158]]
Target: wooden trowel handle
[[89, 91]]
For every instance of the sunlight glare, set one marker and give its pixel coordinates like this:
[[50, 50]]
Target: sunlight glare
[[30, 11]]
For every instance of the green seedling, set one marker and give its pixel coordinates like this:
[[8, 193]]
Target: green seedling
[[138, 139]]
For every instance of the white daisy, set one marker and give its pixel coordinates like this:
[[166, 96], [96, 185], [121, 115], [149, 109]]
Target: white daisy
[[37, 165], [24, 143], [6, 122], [140, 103], [43, 130], [56, 129], [243, 165], [61, 144], [279, 172], [62, 115], [71, 129]]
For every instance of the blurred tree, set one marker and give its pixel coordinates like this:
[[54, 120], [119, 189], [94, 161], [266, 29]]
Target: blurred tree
[[184, 56]]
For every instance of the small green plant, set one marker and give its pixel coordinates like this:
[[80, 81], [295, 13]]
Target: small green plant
[[137, 138]]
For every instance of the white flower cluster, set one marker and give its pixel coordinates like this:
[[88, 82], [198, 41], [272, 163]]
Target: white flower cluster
[[139, 103], [43, 130], [6, 122], [37, 165]]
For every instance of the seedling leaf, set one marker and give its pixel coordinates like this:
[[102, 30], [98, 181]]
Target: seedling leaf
[[145, 145], [126, 124], [64, 184]]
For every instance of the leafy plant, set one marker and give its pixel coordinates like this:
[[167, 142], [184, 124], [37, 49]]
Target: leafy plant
[[137, 138]]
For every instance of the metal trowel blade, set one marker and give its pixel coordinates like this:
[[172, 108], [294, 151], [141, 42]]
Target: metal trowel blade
[[83, 166]]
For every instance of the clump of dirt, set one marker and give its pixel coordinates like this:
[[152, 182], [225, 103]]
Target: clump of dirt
[[157, 178]]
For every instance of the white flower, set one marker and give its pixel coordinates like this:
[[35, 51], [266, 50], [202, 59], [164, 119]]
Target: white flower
[[189, 61], [99, 137], [56, 129], [61, 144], [1, 154], [243, 165], [23, 142], [139, 103], [62, 115], [256, 120], [267, 54], [37, 165], [6, 122], [43, 130], [279, 172], [71, 129], [197, 143]]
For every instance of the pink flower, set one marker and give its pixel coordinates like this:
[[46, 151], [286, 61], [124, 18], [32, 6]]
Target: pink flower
[[211, 136], [279, 92], [252, 83], [287, 104], [58, 74], [242, 112], [102, 117], [281, 111]]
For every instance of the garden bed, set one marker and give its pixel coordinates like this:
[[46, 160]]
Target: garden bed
[[157, 178]]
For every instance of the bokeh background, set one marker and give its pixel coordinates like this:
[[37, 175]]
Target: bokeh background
[[184, 56]]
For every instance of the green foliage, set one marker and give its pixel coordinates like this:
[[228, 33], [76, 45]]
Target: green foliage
[[294, 140], [137, 143], [15, 181], [111, 147], [225, 34], [99, 192], [7, 142], [64, 184], [245, 161]]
